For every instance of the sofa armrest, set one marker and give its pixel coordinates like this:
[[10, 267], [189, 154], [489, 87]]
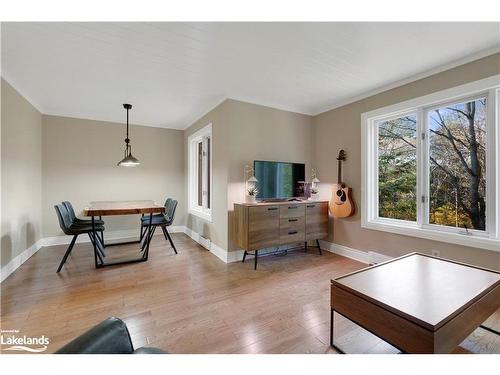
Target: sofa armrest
[[111, 336]]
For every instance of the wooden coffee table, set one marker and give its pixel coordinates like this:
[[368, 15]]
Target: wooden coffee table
[[417, 303]]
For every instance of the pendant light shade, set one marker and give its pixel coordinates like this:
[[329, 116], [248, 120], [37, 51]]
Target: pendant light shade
[[128, 160]]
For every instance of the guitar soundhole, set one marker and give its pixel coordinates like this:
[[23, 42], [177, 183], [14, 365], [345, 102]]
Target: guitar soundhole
[[342, 195]]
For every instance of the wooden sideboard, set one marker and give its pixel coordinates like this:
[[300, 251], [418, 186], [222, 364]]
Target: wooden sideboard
[[272, 224]]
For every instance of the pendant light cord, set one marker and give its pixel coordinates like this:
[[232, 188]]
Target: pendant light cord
[[127, 139]]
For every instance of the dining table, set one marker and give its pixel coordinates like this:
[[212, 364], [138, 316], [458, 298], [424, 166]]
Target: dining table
[[98, 209]]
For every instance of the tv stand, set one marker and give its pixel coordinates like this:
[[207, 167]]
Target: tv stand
[[266, 225]]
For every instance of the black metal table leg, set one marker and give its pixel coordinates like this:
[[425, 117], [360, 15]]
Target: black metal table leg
[[244, 256], [150, 235], [319, 247], [102, 235], [305, 246], [255, 260], [93, 243]]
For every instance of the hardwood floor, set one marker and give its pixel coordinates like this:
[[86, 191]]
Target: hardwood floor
[[194, 303]]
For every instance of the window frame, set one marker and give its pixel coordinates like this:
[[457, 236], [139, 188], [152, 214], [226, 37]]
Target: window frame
[[204, 211], [421, 106]]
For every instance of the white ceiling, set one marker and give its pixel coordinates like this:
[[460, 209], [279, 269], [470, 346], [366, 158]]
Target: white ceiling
[[175, 72]]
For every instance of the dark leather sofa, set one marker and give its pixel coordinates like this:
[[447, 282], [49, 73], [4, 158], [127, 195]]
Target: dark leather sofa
[[111, 336]]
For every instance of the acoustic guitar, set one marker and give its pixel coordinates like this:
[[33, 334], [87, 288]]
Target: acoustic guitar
[[341, 204]]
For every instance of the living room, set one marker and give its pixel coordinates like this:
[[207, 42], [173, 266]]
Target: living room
[[250, 187]]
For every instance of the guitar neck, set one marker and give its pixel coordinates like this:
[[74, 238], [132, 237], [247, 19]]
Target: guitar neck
[[340, 172]]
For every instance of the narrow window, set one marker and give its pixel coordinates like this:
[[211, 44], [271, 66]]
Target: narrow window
[[200, 173], [397, 168], [457, 165]]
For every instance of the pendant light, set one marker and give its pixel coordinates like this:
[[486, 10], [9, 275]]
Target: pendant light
[[128, 160]]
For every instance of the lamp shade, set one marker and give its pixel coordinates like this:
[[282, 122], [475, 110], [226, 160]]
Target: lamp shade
[[253, 179], [129, 161], [316, 180]]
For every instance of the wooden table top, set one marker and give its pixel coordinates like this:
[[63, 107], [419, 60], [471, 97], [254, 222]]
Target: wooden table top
[[107, 208], [426, 290]]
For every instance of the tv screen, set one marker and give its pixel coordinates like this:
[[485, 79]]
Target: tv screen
[[279, 180]]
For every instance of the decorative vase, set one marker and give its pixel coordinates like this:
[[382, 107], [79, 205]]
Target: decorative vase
[[250, 199], [314, 197]]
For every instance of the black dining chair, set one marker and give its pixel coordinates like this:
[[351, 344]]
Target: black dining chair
[[161, 220], [158, 216], [83, 222], [78, 221], [72, 229]]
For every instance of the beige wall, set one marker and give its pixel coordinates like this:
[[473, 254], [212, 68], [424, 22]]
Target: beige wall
[[21, 187], [47, 159], [243, 132], [255, 132], [79, 165], [216, 230], [340, 129]]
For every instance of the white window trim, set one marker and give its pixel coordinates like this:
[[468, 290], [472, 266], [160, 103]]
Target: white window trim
[[200, 135], [369, 171]]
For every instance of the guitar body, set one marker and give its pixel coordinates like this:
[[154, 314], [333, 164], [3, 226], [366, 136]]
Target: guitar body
[[341, 204]]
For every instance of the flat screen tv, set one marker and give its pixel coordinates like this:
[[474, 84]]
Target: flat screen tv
[[279, 180]]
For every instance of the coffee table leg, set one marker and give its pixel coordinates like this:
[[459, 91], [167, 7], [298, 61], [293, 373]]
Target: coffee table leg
[[331, 326], [340, 351]]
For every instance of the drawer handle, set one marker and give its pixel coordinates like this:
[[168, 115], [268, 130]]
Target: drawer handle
[[292, 207], [290, 220], [311, 205], [272, 208], [293, 232]]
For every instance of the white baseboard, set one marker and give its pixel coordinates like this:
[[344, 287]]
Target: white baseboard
[[15, 263], [369, 257], [377, 257], [121, 235], [219, 252], [360, 256]]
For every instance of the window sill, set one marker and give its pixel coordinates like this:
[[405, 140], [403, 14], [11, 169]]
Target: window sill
[[436, 235], [203, 215]]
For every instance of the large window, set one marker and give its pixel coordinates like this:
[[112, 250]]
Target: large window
[[431, 169], [200, 173]]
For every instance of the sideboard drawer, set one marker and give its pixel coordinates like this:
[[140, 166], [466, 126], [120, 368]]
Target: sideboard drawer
[[263, 225], [296, 223], [292, 210], [291, 235]]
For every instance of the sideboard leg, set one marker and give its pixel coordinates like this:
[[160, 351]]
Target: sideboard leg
[[305, 246], [244, 256], [255, 261]]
